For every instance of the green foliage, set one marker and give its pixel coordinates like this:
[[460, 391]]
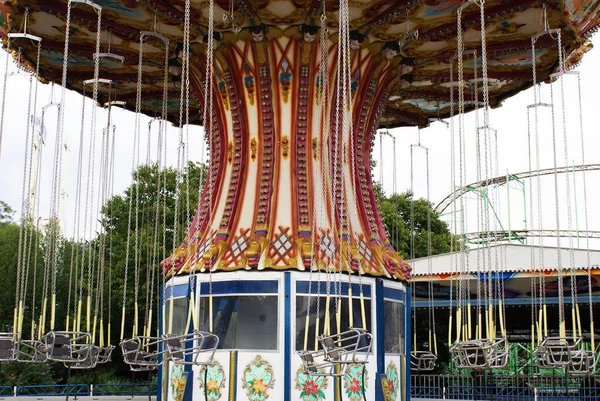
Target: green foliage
[[396, 211], [25, 374], [6, 212]]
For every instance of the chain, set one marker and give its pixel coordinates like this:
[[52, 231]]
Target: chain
[[318, 189], [134, 163], [91, 175], [461, 111], [77, 211], [29, 234], [209, 129], [19, 293], [561, 307], [480, 223], [4, 93], [324, 129], [585, 206], [111, 191], [541, 261], [453, 267], [567, 176]]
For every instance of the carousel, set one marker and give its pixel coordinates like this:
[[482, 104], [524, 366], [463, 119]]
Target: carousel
[[286, 285]]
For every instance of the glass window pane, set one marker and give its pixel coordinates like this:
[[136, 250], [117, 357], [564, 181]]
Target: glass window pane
[[242, 322], [180, 313], [393, 315], [344, 307]]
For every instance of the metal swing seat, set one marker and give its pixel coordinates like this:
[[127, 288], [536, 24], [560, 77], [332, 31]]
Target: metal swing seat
[[142, 353], [481, 354], [90, 362], [105, 353], [422, 361], [349, 347], [583, 363], [9, 347], [32, 351], [195, 348], [561, 352], [68, 346]]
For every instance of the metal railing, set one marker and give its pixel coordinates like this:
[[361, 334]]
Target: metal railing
[[58, 390], [493, 387], [142, 389], [6, 391], [54, 390]]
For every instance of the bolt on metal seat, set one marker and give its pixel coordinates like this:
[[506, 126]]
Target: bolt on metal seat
[[9, 347], [422, 361], [349, 347], [142, 353], [68, 346], [32, 351], [481, 354], [195, 348]]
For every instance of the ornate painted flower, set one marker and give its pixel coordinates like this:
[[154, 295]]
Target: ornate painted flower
[[215, 380], [311, 387], [258, 379], [391, 372], [353, 382], [178, 381]]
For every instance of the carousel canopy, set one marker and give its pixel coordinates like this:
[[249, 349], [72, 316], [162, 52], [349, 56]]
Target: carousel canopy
[[422, 32]]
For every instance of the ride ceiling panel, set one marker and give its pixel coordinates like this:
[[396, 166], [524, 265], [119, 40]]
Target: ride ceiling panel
[[509, 27]]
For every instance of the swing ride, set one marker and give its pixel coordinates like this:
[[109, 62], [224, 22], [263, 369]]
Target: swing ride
[[286, 284]]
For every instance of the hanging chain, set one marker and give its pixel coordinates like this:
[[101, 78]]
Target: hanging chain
[[134, 163], [585, 206]]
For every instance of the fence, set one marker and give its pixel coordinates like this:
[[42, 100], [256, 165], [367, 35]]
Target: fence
[[6, 391], [493, 387], [56, 390]]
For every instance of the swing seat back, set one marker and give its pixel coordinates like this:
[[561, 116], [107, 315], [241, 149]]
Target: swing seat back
[[32, 351], [583, 363], [195, 348], [105, 353], [422, 361], [9, 347], [481, 354], [555, 352], [68, 346], [88, 363], [351, 346], [141, 353]]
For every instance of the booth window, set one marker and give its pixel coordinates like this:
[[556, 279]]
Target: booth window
[[243, 322], [393, 317], [180, 313], [302, 308]]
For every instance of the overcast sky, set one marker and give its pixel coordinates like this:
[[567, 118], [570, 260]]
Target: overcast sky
[[510, 121]]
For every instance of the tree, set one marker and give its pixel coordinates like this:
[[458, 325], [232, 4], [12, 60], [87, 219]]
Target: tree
[[6, 212], [396, 214], [152, 245]]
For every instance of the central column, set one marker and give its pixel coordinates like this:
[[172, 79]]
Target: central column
[[273, 163]]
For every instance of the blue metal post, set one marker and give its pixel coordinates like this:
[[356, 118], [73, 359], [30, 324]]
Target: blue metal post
[[287, 340], [380, 339], [407, 340]]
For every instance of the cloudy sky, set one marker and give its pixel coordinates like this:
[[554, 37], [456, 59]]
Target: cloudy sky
[[510, 121]]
